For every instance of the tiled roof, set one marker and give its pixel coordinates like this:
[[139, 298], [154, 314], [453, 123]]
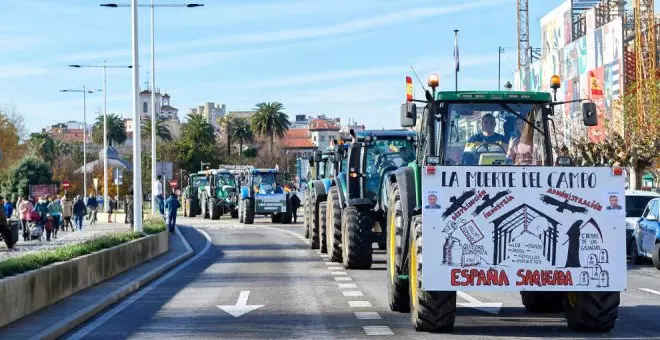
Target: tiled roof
[[298, 139], [323, 124]]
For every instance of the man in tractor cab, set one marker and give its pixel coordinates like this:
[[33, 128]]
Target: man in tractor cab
[[488, 135], [485, 141]]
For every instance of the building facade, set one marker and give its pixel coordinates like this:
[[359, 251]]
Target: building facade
[[211, 112], [323, 130], [164, 110]]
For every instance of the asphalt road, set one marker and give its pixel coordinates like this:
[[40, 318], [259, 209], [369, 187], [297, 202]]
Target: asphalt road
[[287, 291]]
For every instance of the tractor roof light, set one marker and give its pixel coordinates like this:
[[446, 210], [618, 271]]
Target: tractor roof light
[[409, 89], [555, 82], [434, 81]]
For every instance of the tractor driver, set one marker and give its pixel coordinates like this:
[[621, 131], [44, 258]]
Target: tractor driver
[[488, 135]]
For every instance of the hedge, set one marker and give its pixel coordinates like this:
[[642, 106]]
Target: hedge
[[36, 260]]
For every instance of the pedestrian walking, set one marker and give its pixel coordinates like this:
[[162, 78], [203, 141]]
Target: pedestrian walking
[[295, 204], [171, 206], [91, 204], [8, 207], [158, 191], [5, 231], [55, 210], [129, 209], [49, 226], [42, 208], [25, 209], [79, 212], [67, 212]]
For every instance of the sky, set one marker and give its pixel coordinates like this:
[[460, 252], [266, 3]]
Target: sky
[[341, 58]]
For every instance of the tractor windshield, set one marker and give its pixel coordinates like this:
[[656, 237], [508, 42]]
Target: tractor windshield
[[384, 153], [198, 181], [264, 183], [493, 133], [225, 179]]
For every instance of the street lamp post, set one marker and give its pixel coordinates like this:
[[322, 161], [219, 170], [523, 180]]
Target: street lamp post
[[153, 86], [84, 91], [105, 127]]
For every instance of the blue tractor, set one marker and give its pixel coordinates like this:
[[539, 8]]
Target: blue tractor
[[261, 195]]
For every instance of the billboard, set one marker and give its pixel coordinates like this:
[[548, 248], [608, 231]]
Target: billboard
[[590, 67], [526, 228]]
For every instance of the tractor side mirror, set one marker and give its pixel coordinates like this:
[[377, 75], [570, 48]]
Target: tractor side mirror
[[589, 114], [408, 115], [356, 164]]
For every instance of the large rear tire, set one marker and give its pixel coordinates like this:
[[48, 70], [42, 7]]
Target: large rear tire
[[333, 226], [542, 302], [314, 227], [397, 288], [429, 311], [591, 311], [323, 219], [248, 205], [233, 211], [214, 209], [356, 231], [308, 214]]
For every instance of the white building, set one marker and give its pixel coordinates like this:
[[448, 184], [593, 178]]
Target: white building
[[163, 108], [323, 130], [211, 111]]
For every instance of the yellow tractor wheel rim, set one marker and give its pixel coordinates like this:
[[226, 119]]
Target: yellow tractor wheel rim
[[572, 299], [413, 271]]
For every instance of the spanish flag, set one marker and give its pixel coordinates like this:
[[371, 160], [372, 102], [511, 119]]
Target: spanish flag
[[596, 89]]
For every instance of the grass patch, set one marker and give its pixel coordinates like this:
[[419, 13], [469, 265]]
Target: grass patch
[[153, 225]]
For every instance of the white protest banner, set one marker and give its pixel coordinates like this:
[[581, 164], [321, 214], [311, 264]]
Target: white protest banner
[[523, 228]]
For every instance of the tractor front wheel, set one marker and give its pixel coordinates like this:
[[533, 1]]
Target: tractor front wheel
[[333, 226], [214, 209], [248, 210], [357, 247], [591, 311], [397, 287], [314, 226]]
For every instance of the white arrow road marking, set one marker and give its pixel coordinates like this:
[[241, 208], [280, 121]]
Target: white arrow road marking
[[367, 316], [241, 307], [488, 307], [650, 291]]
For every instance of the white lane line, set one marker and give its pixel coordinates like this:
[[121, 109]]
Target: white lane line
[[377, 330], [359, 304], [127, 302], [333, 268], [650, 291], [330, 263], [367, 316], [352, 293], [343, 278], [347, 285], [467, 297], [338, 273]]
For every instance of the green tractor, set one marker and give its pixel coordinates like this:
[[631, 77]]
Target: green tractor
[[357, 200], [316, 193], [191, 194], [477, 204], [220, 195]]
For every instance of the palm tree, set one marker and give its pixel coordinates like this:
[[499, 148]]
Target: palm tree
[[43, 145], [163, 132], [199, 130], [242, 133], [116, 130], [227, 122], [269, 121]]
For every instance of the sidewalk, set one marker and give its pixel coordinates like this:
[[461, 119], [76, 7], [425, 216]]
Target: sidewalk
[[63, 237], [66, 314]]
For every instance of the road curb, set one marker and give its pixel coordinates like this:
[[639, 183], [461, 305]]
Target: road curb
[[81, 316]]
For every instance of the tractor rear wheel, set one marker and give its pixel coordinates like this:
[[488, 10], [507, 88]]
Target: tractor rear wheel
[[248, 205], [314, 226], [429, 311], [233, 211], [333, 226], [591, 311], [397, 288], [323, 211], [276, 218], [357, 248]]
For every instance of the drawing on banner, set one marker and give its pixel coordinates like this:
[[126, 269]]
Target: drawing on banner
[[457, 203], [548, 233]]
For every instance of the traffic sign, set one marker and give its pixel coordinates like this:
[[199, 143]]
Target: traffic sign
[[66, 185], [173, 183]]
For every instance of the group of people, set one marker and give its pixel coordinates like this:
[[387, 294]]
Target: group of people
[[48, 214]]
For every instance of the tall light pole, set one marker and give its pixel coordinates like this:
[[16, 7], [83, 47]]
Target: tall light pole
[[84, 91], [105, 127], [137, 149], [153, 86]]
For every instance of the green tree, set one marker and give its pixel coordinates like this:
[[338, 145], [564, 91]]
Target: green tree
[[242, 133], [269, 121], [9, 142], [43, 145], [29, 171], [116, 130], [163, 132], [227, 123], [196, 144]]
